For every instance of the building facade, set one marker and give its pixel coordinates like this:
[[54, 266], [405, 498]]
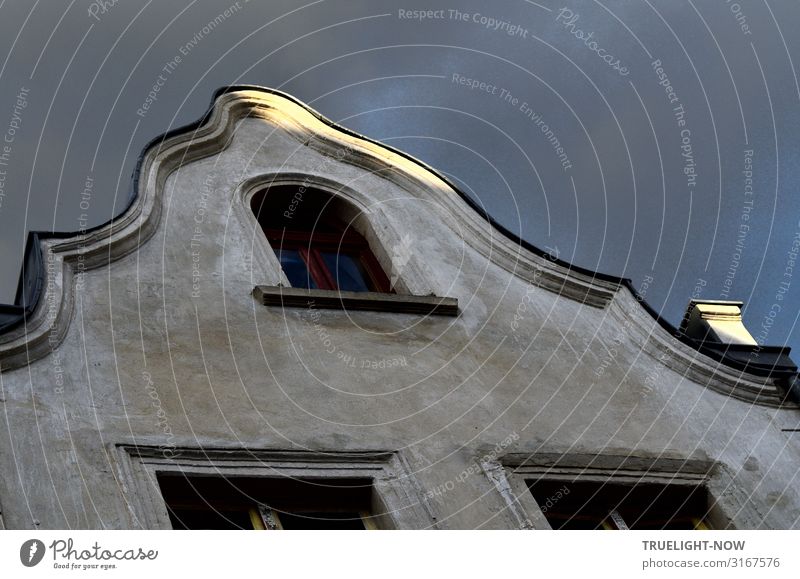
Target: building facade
[[293, 326]]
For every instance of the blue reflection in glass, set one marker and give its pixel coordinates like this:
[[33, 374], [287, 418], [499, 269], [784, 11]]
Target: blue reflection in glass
[[347, 271], [295, 269]]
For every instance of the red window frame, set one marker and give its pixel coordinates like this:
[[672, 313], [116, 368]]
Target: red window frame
[[311, 245]]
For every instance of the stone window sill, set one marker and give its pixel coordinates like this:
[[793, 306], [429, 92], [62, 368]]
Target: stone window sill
[[289, 297]]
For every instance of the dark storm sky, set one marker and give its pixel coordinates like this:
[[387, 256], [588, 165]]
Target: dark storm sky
[[645, 187]]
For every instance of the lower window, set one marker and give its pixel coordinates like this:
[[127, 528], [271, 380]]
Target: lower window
[[610, 505], [554, 490], [221, 488], [215, 502]]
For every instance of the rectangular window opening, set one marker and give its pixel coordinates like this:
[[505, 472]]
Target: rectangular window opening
[[261, 503], [615, 505]]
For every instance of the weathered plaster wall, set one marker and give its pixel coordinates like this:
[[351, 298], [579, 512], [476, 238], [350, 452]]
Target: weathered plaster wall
[[166, 346]]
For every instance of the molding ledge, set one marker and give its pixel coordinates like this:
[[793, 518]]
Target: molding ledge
[[689, 363], [341, 300]]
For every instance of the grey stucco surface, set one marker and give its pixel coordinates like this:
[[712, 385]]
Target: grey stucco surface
[[167, 347]]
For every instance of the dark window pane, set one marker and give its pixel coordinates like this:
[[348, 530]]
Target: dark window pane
[[211, 502], [347, 271], [295, 268], [644, 506], [321, 521], [209, 518]]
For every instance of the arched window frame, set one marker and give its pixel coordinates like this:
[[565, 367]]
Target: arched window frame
[[413, 282]]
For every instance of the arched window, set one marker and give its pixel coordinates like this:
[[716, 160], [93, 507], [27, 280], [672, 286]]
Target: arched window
[[313, 236]]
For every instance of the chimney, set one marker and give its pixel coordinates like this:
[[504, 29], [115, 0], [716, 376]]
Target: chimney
[[716, 321]]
